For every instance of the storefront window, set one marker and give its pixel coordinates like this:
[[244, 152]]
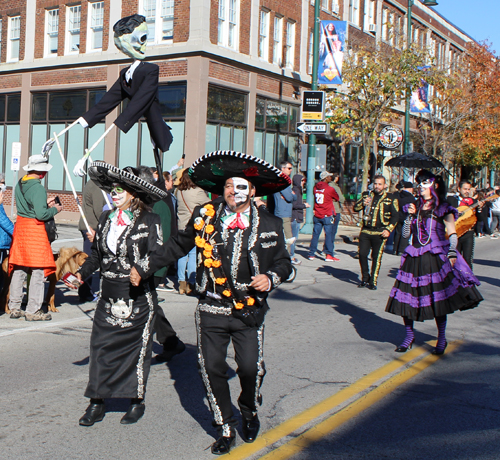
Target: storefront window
[[51, 113], [226, 117], [275, 136], [10, 109]]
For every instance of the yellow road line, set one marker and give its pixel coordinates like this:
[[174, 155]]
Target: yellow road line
[[326, 427], [294, 423]]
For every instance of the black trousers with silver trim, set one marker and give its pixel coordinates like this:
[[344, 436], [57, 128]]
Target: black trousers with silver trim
[[215, 331]]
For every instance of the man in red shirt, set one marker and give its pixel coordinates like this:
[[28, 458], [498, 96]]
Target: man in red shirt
[[324, 215]]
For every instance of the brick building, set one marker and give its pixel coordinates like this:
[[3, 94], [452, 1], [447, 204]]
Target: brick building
[[231, 74]]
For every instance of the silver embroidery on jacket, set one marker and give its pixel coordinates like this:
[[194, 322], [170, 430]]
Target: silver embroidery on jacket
[[275, 278], [139, 236], [268, 234], [268, 244], [216, 310]]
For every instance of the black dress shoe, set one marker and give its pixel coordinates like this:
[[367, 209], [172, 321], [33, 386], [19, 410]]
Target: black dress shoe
[[94, 413], [223, 444], [362, 284], [251, 429], [134, 413], [169, 353], [372, 287]]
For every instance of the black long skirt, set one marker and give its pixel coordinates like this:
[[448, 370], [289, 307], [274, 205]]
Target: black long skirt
[[120, 348], [427, 286]]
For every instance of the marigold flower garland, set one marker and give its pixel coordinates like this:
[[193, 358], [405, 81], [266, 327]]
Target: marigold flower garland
[[207, 243]]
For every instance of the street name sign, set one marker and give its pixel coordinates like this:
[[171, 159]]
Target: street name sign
[[315, 128]]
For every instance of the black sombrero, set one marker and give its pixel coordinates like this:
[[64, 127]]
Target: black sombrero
[[105, 175], [211, 171]]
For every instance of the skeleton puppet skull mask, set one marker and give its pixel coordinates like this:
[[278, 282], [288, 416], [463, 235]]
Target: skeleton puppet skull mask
[[131, 35]]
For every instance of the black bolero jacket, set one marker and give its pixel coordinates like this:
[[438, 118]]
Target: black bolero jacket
[[267, 253], [136, 246]]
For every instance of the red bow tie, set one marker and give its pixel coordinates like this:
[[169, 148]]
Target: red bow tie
[[237, 223]]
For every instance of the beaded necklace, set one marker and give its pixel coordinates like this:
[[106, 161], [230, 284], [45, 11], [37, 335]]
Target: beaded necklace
[[419, 229]]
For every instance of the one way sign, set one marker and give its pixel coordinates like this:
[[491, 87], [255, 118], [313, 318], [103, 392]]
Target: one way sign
[[315, 128]]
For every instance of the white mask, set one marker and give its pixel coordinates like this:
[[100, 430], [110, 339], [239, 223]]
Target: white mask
[[241, 190]]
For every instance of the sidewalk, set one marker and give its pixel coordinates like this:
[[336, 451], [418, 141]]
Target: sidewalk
[[345, 233]]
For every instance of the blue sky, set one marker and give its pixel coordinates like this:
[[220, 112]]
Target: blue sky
[[477, 18]]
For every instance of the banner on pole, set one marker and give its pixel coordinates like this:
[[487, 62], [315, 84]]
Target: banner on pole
[[331, 52], [419, 102]]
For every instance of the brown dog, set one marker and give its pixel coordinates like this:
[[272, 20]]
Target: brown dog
[[68, 260]]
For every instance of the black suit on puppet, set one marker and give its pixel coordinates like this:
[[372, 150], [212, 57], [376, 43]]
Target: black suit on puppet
[[142, 92]]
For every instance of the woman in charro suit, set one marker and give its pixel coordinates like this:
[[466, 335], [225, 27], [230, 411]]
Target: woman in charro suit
[[121, 340]]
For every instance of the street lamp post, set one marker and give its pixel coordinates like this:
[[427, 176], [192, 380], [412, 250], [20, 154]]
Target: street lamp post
[[311, 145], [407, 96]]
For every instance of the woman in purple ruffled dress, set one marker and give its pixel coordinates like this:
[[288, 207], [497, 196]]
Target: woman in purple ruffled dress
[[434, 280]]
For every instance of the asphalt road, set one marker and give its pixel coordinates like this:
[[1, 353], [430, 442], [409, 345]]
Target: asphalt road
[[329, 352]]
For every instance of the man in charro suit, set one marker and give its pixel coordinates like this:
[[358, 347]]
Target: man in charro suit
[[241, 257], [463, 197], [381, 214]]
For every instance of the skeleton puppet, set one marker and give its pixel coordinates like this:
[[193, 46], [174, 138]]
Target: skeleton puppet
[[139, 84]]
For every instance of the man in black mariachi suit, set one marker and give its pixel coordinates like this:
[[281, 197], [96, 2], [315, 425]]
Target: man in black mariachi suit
[[241, 257], [463, 197], [138, 83], [381, 214]]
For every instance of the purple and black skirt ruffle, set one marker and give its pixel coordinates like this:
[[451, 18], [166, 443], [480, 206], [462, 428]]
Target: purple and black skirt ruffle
[[427, 286]]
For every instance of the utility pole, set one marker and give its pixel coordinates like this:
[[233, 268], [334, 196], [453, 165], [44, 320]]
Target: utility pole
[[311, 145]]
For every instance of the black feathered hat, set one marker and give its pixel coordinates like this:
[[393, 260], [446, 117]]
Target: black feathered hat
[[105, 175], [211, 171]]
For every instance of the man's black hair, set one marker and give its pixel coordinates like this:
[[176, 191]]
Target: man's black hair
[[464, 182], [379, 176], [128, 24]]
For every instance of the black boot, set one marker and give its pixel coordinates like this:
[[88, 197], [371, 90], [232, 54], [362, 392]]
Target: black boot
[[94, 413], [134, 413], [251, 429]]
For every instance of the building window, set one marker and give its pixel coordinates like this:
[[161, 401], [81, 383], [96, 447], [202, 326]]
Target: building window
[[264, 35], [51, 112], [0, 36], [278, 41], [324, 4], [73, 15], [96, 25], [228, 23], [14, 38], [51, 32], [335, 7], [226, 120], [370, 6], [354, 12], [135, 147], [385, 24], [310, 54], [276, 138], [159, 19], [10, 114], [289, 44]]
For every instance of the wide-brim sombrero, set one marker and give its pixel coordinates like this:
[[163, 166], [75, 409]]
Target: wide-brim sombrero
[[105, 175], [211, 171]]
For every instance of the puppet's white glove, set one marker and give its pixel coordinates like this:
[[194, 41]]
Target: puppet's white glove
[[79, 170]]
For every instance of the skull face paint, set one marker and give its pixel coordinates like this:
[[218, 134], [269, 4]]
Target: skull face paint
[[133, 44], [121, 198], [241, 190]]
